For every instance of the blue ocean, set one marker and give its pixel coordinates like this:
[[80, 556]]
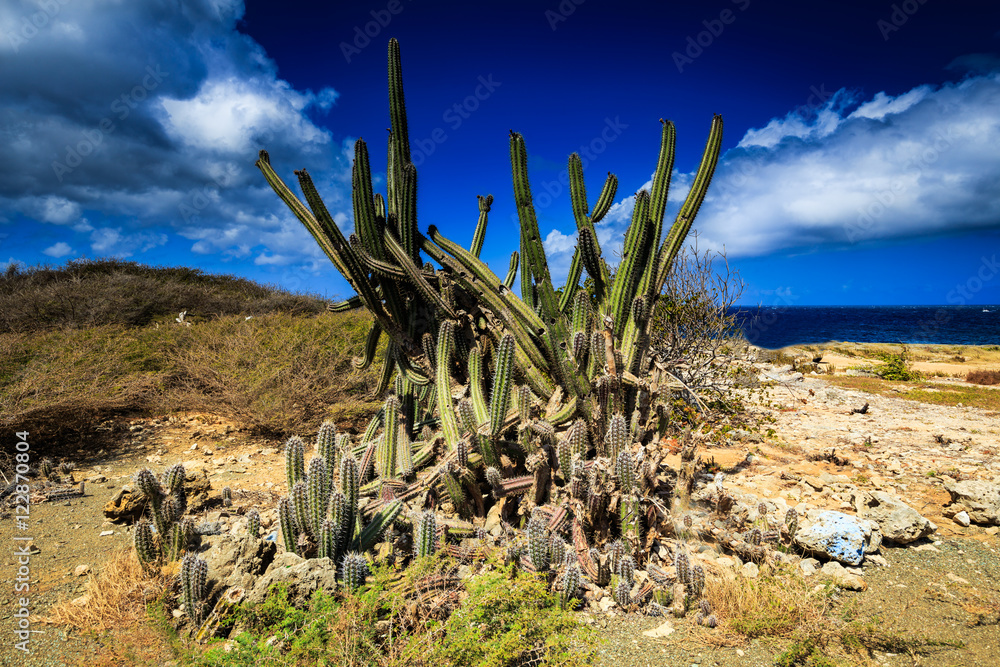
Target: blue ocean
[[773, 327]]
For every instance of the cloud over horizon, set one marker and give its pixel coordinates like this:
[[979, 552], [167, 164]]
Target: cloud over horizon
[[853, 170], [145, 119]]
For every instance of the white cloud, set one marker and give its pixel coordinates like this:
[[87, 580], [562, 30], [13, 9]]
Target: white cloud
[[166, 127], [57, 250], [890, 167], [112, 241]]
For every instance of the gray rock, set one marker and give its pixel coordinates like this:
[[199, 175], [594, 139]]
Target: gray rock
[[981, 499], [843, 578], [750, 570], [838, 536], [962, 519], [302, 576], [209, 528], [898, 522], [808, 566], [237, 561]]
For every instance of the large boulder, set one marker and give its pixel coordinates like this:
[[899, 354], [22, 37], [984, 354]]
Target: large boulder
[[237, 561], [898, 522], [302, 577], [981, 499], [838, 536]]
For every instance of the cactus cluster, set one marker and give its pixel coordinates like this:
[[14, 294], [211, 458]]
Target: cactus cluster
[[553, 400], [320, 517], [167, 504]]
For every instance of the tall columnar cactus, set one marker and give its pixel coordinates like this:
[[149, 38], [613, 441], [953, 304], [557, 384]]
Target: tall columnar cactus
[[354, 570], [253, 524], [286, 521], [318, 492], [425, 534], [326, 443], [538, 545], [572, 579], [193, 574], [387, 452], [145, 548], [295, 468]]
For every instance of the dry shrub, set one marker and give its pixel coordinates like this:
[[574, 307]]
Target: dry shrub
[[776, 604], [983, 376], [117, 597]]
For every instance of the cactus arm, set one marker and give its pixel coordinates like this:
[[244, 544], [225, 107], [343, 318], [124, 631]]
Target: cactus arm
[[382, 520], [661, 181], [572, 281], [328, 236], [605, 199], [480, 234], [446, 347], [370, 227], [405, 366], [414, 275], [500, 397], [528, 290], [388, 367], [689, 209], [343, 306], [533, 322], [408, 215], [590, 254], [397, 103], [635, 252], [386, 453], [376, 266], [508, 282], [565, 413], [482, 412], [556, 334]]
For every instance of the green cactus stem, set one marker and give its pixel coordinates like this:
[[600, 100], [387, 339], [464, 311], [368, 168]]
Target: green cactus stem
[[286, 521], [354, 571], [425, 534], [253, 524], [295, 468]]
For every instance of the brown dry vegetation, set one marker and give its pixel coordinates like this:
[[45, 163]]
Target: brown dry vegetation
[[276, 373], [983, 377]]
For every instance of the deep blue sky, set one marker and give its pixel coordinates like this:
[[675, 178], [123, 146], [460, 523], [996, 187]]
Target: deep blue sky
[[860, 161]]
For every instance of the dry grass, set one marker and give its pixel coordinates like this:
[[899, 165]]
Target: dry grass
[[970, 396], [983, 376], [776, 604], [117, 597], [85, 293], [277, 374]]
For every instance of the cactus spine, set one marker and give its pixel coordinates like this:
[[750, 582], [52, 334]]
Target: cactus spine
[[354, 570], [253, 524], [295, 469]]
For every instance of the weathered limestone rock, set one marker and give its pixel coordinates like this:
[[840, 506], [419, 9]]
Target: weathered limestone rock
[[237, 561], [838, 536], [843, 578], [898, 522], [981, 499], [302, 576]]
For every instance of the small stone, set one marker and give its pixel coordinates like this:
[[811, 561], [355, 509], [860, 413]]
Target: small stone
[[666, 628], [154, 458], [927, 547], [962, 519], [81, 601], [750, 570], [992, 530], [81, 570], [956, 579], [878, 560], [808, 566], [106, 533]]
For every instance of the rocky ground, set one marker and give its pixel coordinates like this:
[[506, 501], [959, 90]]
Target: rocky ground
[[917, 477]]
